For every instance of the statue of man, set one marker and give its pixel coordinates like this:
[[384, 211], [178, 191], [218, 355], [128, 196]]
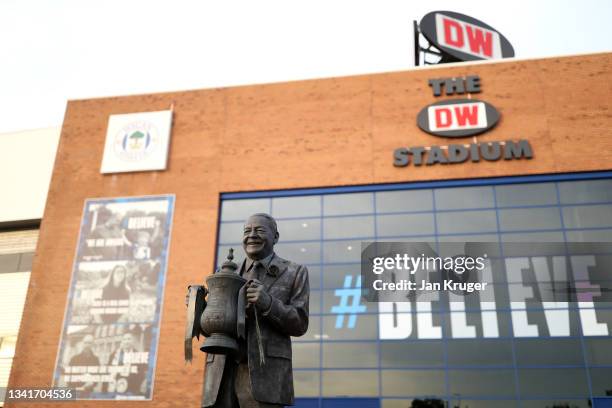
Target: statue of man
[[278, 292]]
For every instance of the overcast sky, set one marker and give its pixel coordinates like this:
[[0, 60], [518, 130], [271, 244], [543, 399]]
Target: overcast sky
[[52, 51]]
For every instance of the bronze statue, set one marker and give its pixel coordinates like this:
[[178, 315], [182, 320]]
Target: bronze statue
[[248, 346]]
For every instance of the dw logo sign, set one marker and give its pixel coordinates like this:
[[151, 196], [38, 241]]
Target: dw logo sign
[[468, 38], [457, 118], [464, 38]]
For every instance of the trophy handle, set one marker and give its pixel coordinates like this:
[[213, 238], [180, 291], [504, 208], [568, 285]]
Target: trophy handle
[[196, 303]]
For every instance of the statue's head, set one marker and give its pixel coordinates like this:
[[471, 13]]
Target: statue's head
[[260, 236]]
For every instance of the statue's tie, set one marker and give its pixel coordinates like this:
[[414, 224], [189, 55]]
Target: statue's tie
[[256, 272]]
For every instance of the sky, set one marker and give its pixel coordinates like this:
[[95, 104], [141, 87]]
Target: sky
[[54, 51]]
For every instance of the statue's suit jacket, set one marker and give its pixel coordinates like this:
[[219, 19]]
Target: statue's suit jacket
[[287, 283]]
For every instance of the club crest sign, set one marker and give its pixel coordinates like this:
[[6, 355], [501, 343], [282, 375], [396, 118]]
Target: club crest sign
[[137, 142]]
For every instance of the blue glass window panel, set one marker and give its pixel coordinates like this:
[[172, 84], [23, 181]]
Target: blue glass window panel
[[551, 351], [348, 383], [556, 236], [549, 382], [352, 203], [585, 191], [527, 219], [458, 222], [306, 384], [231, 233], [240, 210], [603, 235], [306, 355], [588, 216], [407, 383], [405, 224], [342, 251], [464, 197], [299, 229], [353, 354], [338, 327], [404, 201], [526, 194], [483, 383], [301, 252], [598, 351], [479, 353], [601, 379], [410, 354], [348, 227], [291, 207]]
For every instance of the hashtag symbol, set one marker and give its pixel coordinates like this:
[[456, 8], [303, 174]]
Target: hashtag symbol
[[344, 308]]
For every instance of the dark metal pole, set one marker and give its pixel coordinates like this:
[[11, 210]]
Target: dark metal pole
[[416, 43]]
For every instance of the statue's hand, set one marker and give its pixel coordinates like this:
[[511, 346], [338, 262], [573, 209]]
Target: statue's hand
[[256, 294]]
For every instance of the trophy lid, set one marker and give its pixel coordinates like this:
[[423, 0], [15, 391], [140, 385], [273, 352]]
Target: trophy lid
[[229, 266]]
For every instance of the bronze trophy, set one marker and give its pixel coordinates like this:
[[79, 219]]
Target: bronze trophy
[[217, 317]]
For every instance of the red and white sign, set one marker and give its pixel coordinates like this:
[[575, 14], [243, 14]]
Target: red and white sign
[[457, 116], [467, 38]]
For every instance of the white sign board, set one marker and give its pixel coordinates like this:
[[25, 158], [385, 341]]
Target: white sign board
[[137, 142]]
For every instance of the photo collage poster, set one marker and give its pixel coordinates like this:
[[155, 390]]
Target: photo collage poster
[[109, 340]]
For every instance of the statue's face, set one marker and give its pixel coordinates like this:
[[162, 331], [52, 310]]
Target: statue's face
[[259, 237]]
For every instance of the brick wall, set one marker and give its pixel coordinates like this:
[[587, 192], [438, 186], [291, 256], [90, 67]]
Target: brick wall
[[328, 132]]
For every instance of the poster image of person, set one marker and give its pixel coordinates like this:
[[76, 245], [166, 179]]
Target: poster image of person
[[106, 238], [141, 248], [127, 368], [101, 292], [145, 235], [115, 299], [116, 292], [124, 230], [144, 299], [156, 242], [107, 361], [85, 358], [147, 276], [81, 362]]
